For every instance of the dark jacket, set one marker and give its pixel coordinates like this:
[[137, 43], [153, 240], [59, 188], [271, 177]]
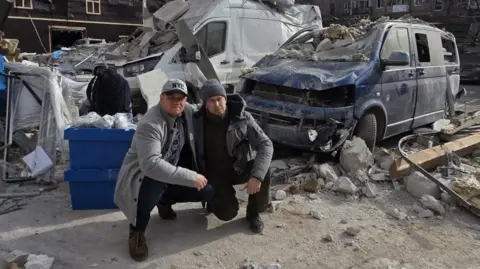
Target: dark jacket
[[245, 140]]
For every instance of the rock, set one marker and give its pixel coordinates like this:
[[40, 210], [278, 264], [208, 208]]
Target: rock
[[294, 188], [344, 185], [349, 243], [397, 214], [355, 155], [380, 263], [329, 185], [18, 257], [378, 177], [328, 238], [278, 165], [274, 206], [304, 177], [418, 185], [360, 175], [197, 253], [316, 215], [347, 40], [325, 44], [325, 171], [425, 214], [343, 221], [448, 199], [39, 262], [370, 190], [351, 231], [433, 204], [311, 186], [280, 195], [12, 266], [281, 225], [383, 158], [312, 196], [417, 208]]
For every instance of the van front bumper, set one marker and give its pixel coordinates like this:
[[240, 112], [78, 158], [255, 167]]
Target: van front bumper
[[318, 129]]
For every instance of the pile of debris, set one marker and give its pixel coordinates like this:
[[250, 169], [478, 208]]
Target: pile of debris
[[9, 47], [353, 176], [337, 36], [359, 170]]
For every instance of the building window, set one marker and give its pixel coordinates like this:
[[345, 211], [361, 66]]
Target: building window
[[462, 3], [93, 7], [418, 2], [27, 4], [379, 3], [346, 6], [363, 4], [438, 5]]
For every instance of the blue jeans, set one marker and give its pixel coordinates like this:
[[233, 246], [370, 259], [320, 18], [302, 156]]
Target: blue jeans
[[153, 192]]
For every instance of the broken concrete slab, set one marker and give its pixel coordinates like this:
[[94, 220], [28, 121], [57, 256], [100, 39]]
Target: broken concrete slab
[[433, 204], [418, 185], [170, 12], [425, 214], [347, 40], [39, 262], [383, 158], [325, 44], [355, 155], [397, 214], [325, 171], [16, 256], [369, 190], [277, 165], [344, 185]]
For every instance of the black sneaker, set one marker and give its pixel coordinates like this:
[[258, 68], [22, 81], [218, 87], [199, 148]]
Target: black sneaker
[[166, 212], [256, 222]]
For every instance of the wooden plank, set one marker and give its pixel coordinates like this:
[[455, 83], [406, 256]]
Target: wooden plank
[[435, 156]]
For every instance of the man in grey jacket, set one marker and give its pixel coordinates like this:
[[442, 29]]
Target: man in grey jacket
[[154, 171], [232, 149]]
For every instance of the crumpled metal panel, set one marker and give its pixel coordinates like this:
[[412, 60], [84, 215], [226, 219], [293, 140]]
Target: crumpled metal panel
[[307, 75]]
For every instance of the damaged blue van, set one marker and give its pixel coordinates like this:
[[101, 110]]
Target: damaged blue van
[[393, 79]]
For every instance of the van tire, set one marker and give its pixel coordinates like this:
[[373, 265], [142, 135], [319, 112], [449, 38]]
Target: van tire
[[366, 129]]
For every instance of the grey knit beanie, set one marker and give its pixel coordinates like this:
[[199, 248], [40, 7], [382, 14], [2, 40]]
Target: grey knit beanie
[[212, 88]]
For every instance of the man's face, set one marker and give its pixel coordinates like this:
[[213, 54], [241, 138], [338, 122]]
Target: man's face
[[173, 103], [217, 105]]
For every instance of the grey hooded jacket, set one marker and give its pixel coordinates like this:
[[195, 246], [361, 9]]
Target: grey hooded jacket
[[243, 127], [145, 158]]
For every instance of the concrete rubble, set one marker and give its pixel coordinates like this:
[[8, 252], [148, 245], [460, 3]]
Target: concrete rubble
[[19, 259], [249, 264]]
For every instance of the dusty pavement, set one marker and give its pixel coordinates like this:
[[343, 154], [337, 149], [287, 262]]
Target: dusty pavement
[[328, 229]]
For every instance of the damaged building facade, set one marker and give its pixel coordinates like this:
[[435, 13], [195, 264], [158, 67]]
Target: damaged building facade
[[62, 22]]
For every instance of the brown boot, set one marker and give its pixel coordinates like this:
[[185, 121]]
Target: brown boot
[[137, 245]]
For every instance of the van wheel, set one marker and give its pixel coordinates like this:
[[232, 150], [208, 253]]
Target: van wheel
[[366, 129]]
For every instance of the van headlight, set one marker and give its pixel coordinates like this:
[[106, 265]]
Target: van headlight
[[135, 69]]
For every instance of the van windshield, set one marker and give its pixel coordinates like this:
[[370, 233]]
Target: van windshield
[[303, 47]]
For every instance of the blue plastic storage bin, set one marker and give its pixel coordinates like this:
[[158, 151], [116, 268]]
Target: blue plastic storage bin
[[92, 189], [92, 148]]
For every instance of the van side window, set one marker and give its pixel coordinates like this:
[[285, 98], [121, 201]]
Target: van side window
[[449, 51], [423, 50], [212, 38], [397, 40]]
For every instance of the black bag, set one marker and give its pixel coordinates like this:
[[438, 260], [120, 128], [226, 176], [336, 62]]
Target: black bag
[[109, 93]]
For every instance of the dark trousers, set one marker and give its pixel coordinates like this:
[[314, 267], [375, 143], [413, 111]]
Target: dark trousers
[[153, 192], [225, 204]]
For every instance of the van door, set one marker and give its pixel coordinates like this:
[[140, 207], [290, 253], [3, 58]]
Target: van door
[[215, 38], [431, 77], [399, 84]]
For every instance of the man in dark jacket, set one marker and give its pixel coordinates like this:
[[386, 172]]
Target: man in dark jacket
[[232, 149]]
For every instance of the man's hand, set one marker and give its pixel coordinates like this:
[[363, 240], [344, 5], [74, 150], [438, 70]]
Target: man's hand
[[253, 185], [200, 182]]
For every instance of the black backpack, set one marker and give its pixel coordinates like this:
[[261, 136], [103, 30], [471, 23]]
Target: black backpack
[[109, 93]]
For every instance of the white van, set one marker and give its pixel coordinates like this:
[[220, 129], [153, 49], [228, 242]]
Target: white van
[[234, 34]]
